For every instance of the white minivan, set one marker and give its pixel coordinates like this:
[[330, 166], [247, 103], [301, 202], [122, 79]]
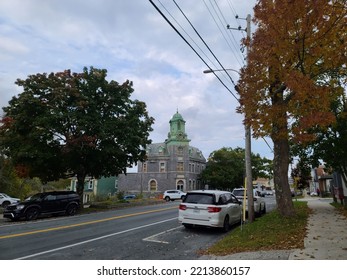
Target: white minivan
[[209, 208]]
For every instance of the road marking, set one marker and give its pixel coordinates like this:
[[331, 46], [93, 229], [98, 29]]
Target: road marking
[[152, 238], [94, 239], [84, 223]]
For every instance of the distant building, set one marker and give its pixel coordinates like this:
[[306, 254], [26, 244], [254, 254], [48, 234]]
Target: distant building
[[173, 164], [321, 181], [103, 187]]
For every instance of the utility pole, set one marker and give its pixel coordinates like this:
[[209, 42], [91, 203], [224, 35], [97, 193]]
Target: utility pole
[[248, 163]]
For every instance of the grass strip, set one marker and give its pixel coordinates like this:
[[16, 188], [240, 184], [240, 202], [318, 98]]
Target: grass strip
[[269, 232]]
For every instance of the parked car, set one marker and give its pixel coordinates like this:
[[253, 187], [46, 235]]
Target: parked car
[[48, 203], [259, 202], [6, 200], [129, 196], [210, 208], [269, 192], [173, 195]]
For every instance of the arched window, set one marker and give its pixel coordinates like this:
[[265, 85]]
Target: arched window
[[153, 185], [180, 185]]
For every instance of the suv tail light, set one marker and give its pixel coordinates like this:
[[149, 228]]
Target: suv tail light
[[182, 207], [212, 209]]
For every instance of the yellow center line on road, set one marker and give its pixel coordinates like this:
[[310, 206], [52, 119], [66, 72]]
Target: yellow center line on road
[[84, 223]]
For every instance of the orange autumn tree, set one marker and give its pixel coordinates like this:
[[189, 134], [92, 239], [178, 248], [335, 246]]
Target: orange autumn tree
[[296, 62]]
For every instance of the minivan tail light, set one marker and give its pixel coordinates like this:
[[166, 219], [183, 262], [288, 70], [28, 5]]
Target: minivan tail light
[[182, 207], [214, 209]]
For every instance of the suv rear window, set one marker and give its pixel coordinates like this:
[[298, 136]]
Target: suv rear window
[[199, 198]]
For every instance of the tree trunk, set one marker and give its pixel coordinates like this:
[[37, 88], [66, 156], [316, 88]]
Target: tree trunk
[[281, 163], [80, 186], [280, 138]]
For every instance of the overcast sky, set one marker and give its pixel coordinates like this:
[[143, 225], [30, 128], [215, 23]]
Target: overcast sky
[[133, 42]]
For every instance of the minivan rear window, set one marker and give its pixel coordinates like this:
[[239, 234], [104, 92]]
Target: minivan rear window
[[199, 198]]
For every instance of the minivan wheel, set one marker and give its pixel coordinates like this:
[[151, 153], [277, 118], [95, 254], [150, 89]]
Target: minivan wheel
[[32, 214], [71, 210], [226, 225], [264, 209], [188, 226]]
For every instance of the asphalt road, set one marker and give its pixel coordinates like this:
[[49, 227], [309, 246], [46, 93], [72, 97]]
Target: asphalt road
[[139, 233], [150, 232]]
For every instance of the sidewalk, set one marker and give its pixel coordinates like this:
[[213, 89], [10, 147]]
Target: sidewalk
[[326, 238], [327, 233]]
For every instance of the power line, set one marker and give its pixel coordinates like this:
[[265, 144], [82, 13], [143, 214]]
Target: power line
[[184, 39], [238, 22], [197, 33], [187, 34], [230, 35]]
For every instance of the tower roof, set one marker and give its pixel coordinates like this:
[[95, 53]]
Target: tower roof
[[177, 117]]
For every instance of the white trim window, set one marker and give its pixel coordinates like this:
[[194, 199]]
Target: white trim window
[[162, 167], [90, 184]]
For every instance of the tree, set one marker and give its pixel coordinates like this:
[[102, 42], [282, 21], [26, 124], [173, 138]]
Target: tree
[[331, 144], [296, 59], [9, 181], [75, 124], [226, 168], [301, 174]]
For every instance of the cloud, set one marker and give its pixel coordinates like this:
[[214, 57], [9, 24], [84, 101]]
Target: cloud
[[133, 42]]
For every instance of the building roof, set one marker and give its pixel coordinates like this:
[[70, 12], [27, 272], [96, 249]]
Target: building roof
[[157, 149], [176, 117]]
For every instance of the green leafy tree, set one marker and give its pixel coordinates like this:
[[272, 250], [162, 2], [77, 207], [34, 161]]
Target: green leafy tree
[[226, 168], [12, 181], [301, 174], [75, 124], [296, 60], [330, 145], [9, 181]]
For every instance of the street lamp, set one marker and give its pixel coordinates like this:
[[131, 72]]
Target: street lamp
[[248, 163], [219, 70]]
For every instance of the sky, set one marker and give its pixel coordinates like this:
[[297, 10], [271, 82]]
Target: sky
[[132, 41]]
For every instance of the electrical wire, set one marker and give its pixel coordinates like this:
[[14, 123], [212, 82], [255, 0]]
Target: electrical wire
[[185, 40], [187, 34], [197, 33], [230, 35]]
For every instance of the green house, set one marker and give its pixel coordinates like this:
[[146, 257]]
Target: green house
[[93, 188]]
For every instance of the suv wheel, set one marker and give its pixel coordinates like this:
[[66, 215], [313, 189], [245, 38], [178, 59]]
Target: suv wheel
[[167, 199], [5, 204], [71, 210], [32, 214]]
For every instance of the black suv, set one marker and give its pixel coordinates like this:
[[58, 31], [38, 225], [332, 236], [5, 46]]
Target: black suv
[[48, 203]]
